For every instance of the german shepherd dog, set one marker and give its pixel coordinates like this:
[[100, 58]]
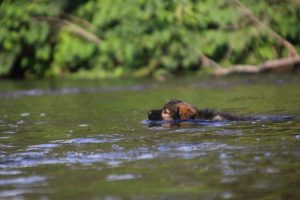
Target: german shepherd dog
[[176, 109]]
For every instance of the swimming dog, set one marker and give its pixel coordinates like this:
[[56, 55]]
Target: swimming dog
[[177, 109]]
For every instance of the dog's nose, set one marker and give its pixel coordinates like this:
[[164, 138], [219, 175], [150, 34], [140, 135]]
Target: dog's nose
[[154, 115]]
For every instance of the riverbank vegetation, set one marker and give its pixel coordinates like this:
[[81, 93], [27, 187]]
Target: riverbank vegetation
[[105, 39]]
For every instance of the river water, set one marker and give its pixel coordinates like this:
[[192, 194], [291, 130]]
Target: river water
[[90, 140]]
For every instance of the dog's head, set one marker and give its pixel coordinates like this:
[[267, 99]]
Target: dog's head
[[178, 110], [170, 111]]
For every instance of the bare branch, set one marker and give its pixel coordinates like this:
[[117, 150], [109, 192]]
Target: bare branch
[[252, 69], [206, 61]]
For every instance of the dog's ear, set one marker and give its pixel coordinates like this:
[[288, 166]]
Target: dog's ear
[[187, 111], [176, 113]]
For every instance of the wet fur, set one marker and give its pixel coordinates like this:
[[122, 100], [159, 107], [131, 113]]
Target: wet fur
[[209, 114], [179, 110]]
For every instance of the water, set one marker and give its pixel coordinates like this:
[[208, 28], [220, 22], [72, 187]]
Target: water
[[90, 140]]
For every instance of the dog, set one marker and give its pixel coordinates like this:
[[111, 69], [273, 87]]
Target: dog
[[177, 109]]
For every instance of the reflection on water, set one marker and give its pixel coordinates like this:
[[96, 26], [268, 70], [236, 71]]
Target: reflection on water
[[96, 143], [6, 194], [42, 154], [64, 91], [22, 185], [22, 180], [200, 122], [120, 177]]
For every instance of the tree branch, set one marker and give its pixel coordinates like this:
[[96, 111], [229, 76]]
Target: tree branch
[[206, 61], [252, 69], [78, 20], [247, 12], [72, 27]]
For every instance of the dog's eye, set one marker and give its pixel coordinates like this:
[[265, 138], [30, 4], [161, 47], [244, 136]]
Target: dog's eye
[[166, 111]]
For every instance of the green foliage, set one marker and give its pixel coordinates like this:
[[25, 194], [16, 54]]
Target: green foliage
[[101, 38]]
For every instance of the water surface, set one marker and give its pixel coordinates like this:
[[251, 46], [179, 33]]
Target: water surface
[[89, 140]]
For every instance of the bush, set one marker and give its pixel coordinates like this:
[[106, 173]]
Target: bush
[[101, 38]]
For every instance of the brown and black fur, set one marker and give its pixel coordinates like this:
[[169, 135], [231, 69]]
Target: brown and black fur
[[209, 114], [179, 110]]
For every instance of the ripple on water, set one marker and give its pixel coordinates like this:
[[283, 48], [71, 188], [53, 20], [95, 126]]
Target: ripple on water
[[41, 154], [10, 172], [96, 139], [167, 124], [23, 180], [189, 130], [190, 146], [1, 138], [274, 118], [84, 141], [121, 177], [8, 132], [14, 193], [42, 146], [83, 125], [297, 137], [24, 114], [230, 132], [6, 146], [61, 91], [21, 185]]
